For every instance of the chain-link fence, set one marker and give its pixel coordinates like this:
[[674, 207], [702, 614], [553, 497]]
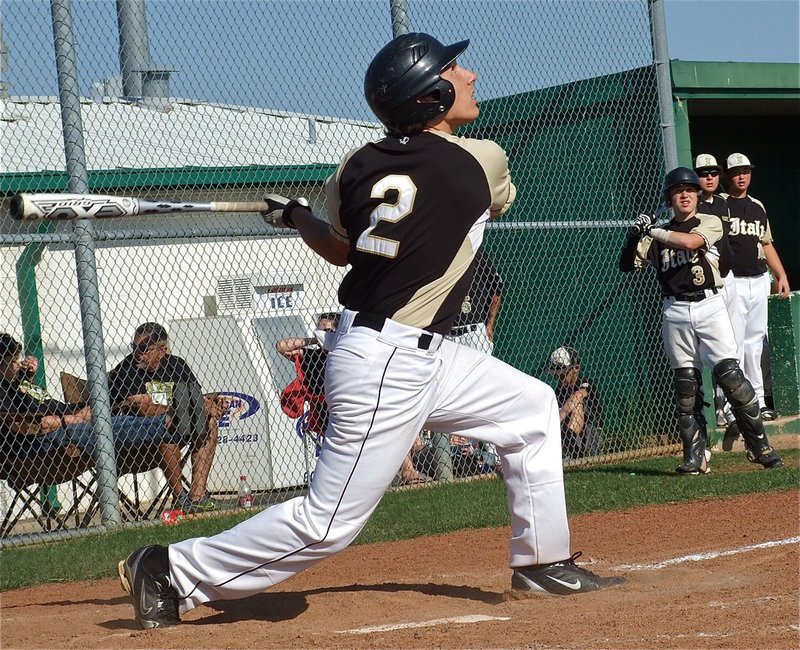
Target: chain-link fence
[[198, 100]]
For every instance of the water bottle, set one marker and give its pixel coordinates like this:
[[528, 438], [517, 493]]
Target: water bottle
[[245, 493]]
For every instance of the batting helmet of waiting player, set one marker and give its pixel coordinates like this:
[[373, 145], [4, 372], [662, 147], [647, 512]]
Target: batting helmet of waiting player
[[680, 176], [403, 85]]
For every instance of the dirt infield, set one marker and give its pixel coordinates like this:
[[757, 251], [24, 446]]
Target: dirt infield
[[450, 592]]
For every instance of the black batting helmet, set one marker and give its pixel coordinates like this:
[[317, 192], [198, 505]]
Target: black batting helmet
[[680, 176], [405, 70]]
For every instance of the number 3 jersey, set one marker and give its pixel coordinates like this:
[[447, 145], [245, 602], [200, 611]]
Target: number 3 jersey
[[682, 271], [413, 210]]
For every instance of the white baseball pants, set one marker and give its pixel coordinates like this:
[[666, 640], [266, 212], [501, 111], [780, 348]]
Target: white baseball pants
[[697, 333], [477, 339], [382, 389], [732, 306], [751, 298]]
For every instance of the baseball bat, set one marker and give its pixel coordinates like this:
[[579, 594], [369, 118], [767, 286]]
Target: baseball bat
[[67, 207]]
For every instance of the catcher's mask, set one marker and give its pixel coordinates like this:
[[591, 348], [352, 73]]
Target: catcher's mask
[[679, 176], [408, 70]]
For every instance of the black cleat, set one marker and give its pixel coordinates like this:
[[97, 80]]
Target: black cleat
[[693, 467], [563, 578], [144, 575], [767, 457]]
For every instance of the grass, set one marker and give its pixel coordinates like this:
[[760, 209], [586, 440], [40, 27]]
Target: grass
[[413, 513]]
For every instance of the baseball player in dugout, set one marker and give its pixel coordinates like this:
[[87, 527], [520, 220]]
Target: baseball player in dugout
[[475, 323], [696, 328], [754, 256], [408, 213], [712, 202]]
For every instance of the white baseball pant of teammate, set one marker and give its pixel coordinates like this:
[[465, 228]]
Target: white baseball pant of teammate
[[737, 323], [751, 297], [697, 333], [415, 389], [477, 338]]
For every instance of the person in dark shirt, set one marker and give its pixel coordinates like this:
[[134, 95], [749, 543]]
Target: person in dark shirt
[[311, 354], [152, 382], [33, 423], [712, 202], [579, 405], [474, 326], [754, 254], [696, 328]]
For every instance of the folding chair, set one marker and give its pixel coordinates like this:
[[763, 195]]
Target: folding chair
[[24, 476], [130, 460]]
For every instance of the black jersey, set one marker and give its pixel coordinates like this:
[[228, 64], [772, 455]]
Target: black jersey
[[127, 379], [486, 284], [717, 206], [413, 210], [682, 271], [748, 232]]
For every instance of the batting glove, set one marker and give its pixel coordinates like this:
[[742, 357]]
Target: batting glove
[[641, 225], [279, 210]]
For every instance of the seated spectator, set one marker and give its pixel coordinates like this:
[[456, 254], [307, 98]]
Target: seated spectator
[[33, 422], [471, 457], [580, 408], [409, 473], [151, 382]]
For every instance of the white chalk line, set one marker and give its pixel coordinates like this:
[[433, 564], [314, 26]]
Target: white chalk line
[[480, 618], [710, 555], [473, 618]]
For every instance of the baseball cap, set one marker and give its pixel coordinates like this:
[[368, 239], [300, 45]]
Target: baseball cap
[[563, 358], [706, 161], [738, 160]]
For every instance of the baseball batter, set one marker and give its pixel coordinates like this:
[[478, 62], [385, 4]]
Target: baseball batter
[[408, 213], [696, 327], [753, 253]]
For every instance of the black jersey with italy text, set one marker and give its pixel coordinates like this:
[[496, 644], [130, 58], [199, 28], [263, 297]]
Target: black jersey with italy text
[[717, 206], [683, 271], [748, 232], [413, 210]]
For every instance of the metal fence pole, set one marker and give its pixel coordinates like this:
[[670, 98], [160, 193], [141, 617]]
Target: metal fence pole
[[89, 296], [400, 21], [658, 27]]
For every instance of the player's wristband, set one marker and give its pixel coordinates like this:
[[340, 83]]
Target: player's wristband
[[659, 234], [286, 215], [63, 421]]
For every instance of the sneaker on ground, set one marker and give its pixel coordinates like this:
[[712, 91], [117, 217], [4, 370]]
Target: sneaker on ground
[[144, 575], [731, 436], [181, 500], [768, 414], [563, 578], [204, 504]]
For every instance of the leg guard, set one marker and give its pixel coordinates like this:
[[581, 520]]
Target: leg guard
[[691, 423], [744, 405]]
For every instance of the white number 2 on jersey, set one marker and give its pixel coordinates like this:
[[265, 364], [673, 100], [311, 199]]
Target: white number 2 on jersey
[[392, 212]]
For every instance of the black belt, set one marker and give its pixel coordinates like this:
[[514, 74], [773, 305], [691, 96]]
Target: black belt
[[458, 330], [376, 322], [693, 296]]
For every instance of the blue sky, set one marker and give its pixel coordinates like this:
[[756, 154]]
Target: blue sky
[[310, 55], [734, 30]]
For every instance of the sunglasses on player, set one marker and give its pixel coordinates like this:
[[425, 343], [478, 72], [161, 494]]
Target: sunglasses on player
[[704, 173]]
